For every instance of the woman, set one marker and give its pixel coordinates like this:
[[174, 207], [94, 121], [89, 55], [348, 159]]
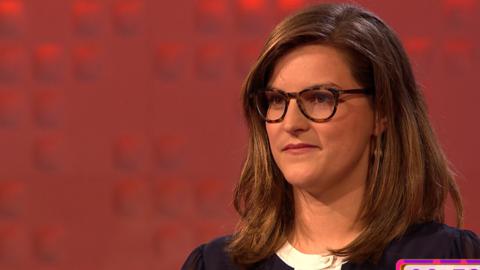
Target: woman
[[343, 169]]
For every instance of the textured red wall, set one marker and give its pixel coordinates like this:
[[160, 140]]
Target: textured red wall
[[121, 134]]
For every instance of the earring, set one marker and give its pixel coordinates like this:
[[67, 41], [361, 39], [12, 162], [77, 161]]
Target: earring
[[376, 155]]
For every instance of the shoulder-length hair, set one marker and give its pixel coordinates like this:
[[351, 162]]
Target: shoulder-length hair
[[409, 178]]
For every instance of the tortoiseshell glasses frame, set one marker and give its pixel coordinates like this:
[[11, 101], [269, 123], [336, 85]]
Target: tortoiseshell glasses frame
[[325, 99]]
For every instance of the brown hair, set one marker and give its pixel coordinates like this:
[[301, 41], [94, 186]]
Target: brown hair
[[409, 177]]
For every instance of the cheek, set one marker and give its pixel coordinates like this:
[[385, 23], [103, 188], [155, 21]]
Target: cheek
[[273, 135], [348, 141]]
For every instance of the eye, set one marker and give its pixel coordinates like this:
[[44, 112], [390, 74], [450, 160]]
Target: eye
[[318, 97], [274, 98]]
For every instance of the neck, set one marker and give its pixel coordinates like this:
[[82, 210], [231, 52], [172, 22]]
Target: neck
[[327, 221]]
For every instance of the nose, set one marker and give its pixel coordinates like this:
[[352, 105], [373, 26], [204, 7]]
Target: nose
[[294, 120]]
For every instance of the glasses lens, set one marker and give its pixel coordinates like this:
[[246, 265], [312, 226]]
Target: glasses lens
[[318, 104], [271, 104]]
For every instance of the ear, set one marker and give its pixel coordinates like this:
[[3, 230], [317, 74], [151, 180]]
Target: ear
[[380, 125]]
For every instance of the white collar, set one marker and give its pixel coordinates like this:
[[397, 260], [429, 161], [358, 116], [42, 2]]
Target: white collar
[[302, 261]]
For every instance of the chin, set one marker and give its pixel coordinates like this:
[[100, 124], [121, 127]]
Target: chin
[[301, 181], [309, 183], [301, 173]]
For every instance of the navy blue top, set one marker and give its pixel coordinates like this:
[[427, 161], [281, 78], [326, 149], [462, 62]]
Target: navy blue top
[[422, 241]]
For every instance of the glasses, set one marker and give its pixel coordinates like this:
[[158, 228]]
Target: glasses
[[317, 103]]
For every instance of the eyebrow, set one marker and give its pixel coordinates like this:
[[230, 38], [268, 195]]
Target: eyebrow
[[326, 84]]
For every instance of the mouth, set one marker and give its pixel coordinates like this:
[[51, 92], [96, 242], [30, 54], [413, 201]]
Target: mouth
[[297, 147]]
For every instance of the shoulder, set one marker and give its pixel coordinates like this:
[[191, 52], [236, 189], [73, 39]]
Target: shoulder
[[213, 256], [438, 239], [434, 240], [430, 240], [210, 256]]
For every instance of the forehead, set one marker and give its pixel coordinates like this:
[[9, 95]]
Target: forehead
[[310, 65]]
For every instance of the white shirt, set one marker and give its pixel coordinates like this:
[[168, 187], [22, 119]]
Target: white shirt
[[302, 261]]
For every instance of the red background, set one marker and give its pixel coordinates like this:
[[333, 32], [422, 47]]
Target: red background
[[121, 134]]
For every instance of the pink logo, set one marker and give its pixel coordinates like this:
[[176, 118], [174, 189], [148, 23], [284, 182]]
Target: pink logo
[[438, 264]]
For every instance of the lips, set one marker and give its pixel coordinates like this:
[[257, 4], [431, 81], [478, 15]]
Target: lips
[[298, 146]]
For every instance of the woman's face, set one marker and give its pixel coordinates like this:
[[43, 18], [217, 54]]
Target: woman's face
[[339, 161]]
